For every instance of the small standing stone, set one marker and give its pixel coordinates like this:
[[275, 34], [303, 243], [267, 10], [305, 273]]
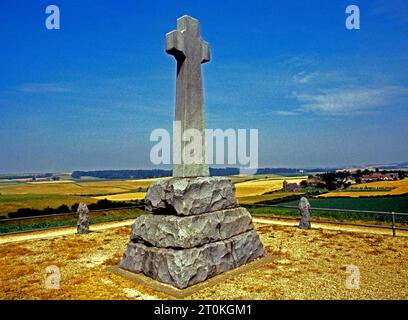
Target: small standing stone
[[304, 209], [83, 219]]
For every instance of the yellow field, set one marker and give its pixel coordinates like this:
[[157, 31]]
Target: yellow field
[[39, 195], [76, 188], [11, 203], [123, 196], [45, 182], [262, 186], [51, 194], [364, 189]]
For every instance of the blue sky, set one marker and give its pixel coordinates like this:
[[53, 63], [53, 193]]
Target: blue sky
[[88, 95]]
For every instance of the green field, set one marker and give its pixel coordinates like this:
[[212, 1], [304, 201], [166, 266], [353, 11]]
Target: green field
[[396, 204], [69, 220], [388, 204]]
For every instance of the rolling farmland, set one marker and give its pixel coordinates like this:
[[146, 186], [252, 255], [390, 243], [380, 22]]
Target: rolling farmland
[[249, 190], [53, 194], [372, 189], [262, 186], [40, 195], [123, 196]]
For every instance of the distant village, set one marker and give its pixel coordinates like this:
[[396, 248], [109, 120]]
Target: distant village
[[341, 179]]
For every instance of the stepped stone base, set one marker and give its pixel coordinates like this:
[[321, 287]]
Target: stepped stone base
[[185, 267], [190, 231], [196, 231]]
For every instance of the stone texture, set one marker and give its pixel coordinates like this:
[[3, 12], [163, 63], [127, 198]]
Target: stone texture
[[83, 219], [182, 268], [190, 231], [190, 196], [190, 51], [304, 209]]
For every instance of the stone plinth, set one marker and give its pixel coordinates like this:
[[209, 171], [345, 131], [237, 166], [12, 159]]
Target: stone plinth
[[196, 231], [182, 268], [168, 231]]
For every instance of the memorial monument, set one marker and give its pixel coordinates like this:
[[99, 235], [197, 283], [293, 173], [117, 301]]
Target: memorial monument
[[197, 229]]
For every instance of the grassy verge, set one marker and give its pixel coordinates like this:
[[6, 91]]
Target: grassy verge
[[324, 215], [69, 220]]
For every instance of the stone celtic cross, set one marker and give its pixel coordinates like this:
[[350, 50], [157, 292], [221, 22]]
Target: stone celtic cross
[[190, 51], [197, 229]]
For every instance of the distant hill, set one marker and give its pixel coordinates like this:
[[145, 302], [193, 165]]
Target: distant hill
[[122, 174], [25, 176], [158, 173], [144, 174]]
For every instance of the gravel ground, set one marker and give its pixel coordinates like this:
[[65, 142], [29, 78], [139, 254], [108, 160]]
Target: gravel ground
[[310, 264]]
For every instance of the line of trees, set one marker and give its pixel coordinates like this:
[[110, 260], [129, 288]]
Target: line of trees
[[144, 174], [158, 173], [27, 176], [122, 174]]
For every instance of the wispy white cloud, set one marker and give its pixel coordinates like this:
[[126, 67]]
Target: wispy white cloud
[[42, 88], [351, 101], [286, 113], [304, 77], [300, 60], [330, 77]]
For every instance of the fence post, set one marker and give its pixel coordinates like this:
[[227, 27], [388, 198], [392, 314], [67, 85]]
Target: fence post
[[393, 224]]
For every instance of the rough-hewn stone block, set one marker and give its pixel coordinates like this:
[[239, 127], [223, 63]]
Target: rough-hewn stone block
[[189, 196], [190, 231], [185, 267]]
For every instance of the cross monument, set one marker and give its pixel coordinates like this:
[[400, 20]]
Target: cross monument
[[190, 51]]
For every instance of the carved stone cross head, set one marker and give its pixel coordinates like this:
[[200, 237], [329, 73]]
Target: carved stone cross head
[[186, 42]]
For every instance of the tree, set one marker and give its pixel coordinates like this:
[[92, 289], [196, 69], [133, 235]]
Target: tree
[[74, 207], [329, 178], [63, 209], [303, 184], [358, 174]]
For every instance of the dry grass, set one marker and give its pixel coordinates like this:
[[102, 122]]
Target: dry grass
[[310, 265]]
